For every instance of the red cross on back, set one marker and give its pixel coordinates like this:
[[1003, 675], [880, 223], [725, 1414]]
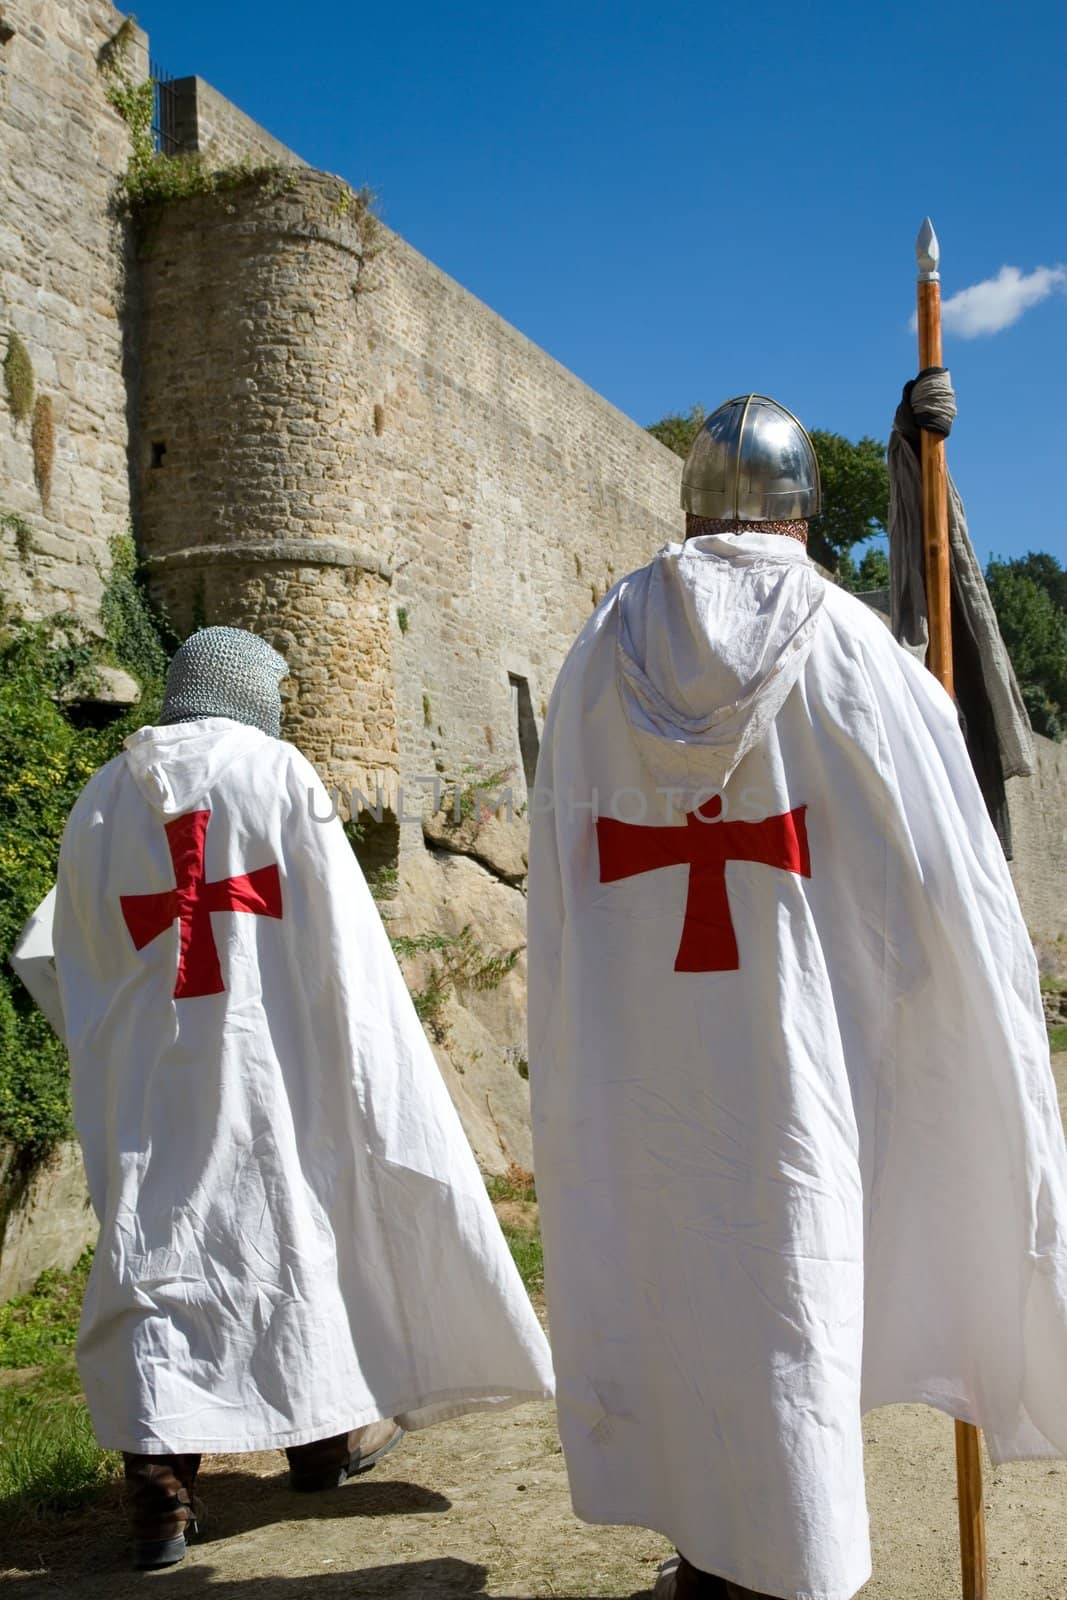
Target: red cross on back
[[192, 900], [704, 845]]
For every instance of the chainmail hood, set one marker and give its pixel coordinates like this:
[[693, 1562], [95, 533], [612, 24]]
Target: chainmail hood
[[226, 672]]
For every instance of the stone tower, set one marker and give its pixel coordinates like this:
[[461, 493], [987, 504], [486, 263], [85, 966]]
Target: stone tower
[[253, 423]]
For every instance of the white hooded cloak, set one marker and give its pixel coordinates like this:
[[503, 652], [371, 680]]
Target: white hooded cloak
[[797, 1142], [295, 1238]]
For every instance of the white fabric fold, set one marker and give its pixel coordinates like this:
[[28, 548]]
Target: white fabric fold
[[830, 1175], [295, 1238]]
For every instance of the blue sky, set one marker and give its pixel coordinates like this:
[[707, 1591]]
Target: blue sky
[[683, 202]]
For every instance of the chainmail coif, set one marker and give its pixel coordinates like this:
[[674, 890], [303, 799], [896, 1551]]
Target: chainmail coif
[[226, 672]]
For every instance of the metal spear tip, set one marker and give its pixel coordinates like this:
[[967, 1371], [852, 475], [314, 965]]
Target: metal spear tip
[[927, 252]]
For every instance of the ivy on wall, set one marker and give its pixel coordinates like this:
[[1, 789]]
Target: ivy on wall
[[152, 178], [11, 522], [45, 760]]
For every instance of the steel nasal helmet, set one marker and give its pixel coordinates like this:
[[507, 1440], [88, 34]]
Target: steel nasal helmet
[[752, 461]]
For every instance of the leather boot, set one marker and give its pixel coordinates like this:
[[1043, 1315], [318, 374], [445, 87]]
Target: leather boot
[[159, 1493], [680, 1580], [327, 1463]]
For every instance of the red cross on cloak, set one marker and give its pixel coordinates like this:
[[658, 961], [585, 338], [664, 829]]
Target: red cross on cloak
[[192, 900], [708, 942]]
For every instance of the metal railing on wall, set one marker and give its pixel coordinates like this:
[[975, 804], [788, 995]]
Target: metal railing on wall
[[164, 111]]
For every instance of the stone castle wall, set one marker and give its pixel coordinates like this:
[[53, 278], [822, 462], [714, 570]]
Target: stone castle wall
[[207, 123], [1039, 826], [355, 457], [453, 501], [62, 285], [509, 496], [348, 453], [250, 448]]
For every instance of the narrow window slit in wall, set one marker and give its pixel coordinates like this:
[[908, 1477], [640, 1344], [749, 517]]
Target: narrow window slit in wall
[[526, 725], [159, 450]]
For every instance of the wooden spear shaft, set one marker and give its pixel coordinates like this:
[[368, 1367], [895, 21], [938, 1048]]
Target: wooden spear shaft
[[939, 661]]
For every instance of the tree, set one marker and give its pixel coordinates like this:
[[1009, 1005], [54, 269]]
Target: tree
[[855, 484], [871, 573], [678, 430], [1034, 628], [855, 495], [1046, 572]]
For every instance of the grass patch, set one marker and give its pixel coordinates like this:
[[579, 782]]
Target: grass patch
[[514, 1184], [528, 1256], [50, 1462], [38, 1326], [49, 1459], [515, 1196], [1057, 1038]]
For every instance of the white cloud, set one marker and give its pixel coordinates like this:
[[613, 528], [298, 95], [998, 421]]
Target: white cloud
[[996, 303]]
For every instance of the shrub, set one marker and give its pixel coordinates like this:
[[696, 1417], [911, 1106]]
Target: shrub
[[45, 761], [139, 638]]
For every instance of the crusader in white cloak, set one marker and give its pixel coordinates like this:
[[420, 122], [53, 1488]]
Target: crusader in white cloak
[[797, 1143], [295, 1240]]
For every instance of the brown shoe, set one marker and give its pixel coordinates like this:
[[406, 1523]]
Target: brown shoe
[[159, 1493], [679, 1580], [328, 1463]]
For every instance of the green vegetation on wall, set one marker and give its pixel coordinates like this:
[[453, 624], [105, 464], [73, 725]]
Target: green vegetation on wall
[[134, 103], [153, 179], [463, 964], [138, 638], [10, 522], [18, 378], [45, 760]]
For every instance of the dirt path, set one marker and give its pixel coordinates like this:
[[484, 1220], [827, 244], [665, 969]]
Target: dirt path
[[480, 1507]]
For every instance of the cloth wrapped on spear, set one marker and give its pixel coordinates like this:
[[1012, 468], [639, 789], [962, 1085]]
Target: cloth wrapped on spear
[[992, 713]]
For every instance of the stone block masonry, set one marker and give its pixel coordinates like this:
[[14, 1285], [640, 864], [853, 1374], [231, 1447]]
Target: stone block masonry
[[250, 450], [62, 292], [410, 474], [445, 470], [509, 498], [46, 1219], [207, 123], [325, 439], [1039, 827]]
